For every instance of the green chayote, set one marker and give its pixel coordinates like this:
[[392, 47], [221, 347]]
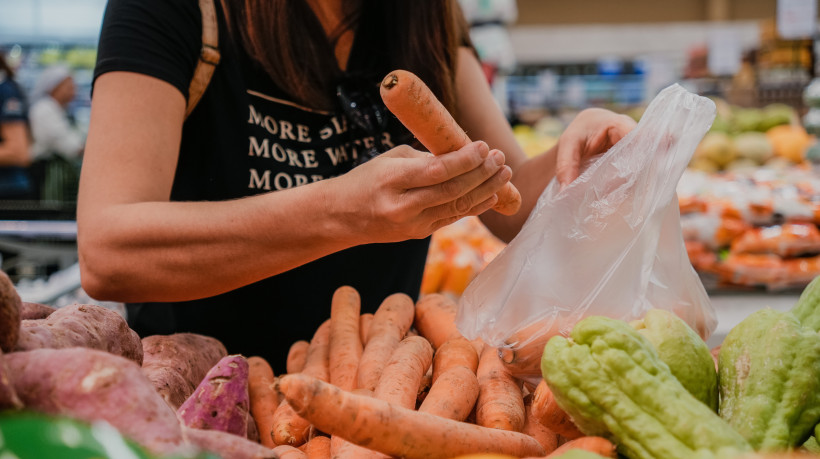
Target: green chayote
[[770, 380], [611, 381], [685, 353], [807, 309]]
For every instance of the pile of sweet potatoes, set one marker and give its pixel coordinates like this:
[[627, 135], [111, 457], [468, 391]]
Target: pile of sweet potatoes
[[84, 362]]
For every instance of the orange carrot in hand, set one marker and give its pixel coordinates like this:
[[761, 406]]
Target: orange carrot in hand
[[288, 427], [500, 402], [264, 399], [296, 356], [415, 105], [546, 410], [345, 339], [400, 381], [597, 445], [453, 395], [389, 325], [394, 430]]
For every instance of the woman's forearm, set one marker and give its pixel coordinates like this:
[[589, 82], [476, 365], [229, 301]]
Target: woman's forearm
[[172, 251]]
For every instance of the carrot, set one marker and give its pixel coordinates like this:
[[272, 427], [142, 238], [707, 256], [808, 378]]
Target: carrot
[[288, 452], [500, 402], [415, 105], [436, 318], [534, 428], [318, 448], [345, 339], [453, 395], [400, 381], [523, 357], [597, 445], [550, 415], [389, 325], [365, 321], [288, 427], [394, 430], [342, 449], [264, 399], [296, 356], [424, 386], [454, 353], [318, 353]]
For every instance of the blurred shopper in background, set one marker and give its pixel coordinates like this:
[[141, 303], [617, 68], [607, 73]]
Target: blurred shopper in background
[[14, 138], [57, 143]]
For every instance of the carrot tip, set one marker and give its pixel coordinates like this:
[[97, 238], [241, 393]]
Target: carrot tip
[[390, 81]]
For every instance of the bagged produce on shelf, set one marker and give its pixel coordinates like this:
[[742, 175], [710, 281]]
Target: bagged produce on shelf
[[608, 244], [787, 240]]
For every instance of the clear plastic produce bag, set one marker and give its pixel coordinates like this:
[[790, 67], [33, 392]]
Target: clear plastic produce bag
[[609, 244]]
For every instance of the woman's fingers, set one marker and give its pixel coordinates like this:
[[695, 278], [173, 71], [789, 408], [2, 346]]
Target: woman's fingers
[[471, 202], [460, 185], [433, 170]]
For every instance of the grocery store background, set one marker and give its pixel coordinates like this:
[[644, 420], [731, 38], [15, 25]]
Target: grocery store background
[[750, 201]]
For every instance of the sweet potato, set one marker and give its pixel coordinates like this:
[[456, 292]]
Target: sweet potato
[[177, 363], [34, 311], [8, 396], [221, 401], [91, 385], [10, 305], [82, 325], [226, 445]]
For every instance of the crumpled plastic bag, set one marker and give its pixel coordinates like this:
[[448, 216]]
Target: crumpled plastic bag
[[609, 244]]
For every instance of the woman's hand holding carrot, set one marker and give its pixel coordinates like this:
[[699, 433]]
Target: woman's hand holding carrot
[[408, 194], [415, 105]]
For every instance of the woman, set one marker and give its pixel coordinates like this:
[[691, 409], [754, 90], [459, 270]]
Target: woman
[[180, 213], [14, 139]]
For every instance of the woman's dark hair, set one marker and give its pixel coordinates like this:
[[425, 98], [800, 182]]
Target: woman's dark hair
[[4, 67], [286, 39]]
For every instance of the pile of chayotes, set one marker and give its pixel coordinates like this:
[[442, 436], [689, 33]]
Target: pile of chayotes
[[404, 383]]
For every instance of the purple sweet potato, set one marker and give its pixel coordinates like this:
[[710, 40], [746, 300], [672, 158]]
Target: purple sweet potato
[[221, 401], [9, 313], [33, 311], [90, 385], [8, 396], [177, 363], [82, 325], [226, 445]]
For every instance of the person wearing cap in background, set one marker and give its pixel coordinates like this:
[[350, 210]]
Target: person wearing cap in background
[[57, 143], [14, 139]]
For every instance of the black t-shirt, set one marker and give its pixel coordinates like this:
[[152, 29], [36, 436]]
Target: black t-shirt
[[245, 137]]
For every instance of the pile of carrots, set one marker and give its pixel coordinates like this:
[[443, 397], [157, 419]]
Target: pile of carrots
[[404, 382]]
